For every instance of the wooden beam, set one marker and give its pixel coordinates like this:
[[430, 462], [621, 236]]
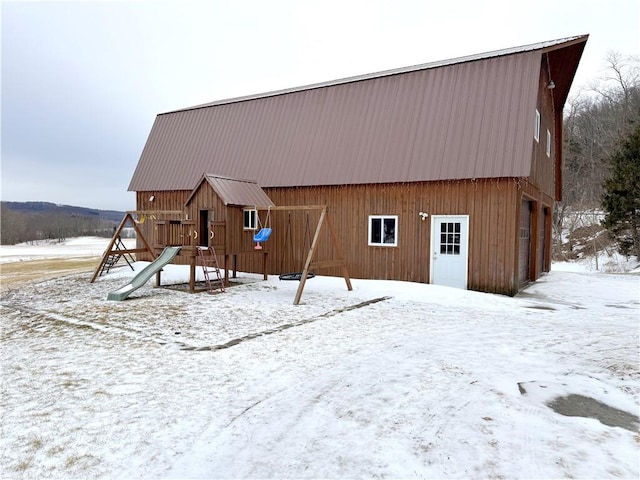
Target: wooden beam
[[338, 250], [155, 212], [327, 263], [291, 207], [132, 250], [312, 250]]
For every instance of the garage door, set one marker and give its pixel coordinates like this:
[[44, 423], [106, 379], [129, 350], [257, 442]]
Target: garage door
[[542, 240], [524, 256]]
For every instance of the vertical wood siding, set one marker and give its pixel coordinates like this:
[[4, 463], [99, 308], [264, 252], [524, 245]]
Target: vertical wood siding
[[543, 166], [163, 201], [492, 205]]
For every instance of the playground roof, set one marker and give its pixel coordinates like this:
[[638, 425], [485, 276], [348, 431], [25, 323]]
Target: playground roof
[[233, 191]]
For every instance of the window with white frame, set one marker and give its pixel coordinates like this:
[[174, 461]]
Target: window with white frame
[[548, 143], [536, 131], [383, 230], [250, 219]]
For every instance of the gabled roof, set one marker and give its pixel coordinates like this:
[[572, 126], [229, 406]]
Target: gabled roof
[[233, 191], [470, 117]]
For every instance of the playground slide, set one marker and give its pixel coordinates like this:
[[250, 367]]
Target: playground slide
[[145, 274]]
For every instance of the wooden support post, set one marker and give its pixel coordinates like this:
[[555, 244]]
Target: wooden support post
[[235, 265], [192, 274], [264, 266], [312, 250], [338, 250]]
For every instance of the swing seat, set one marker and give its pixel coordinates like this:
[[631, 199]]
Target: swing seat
[[262, 236], [295, 276]]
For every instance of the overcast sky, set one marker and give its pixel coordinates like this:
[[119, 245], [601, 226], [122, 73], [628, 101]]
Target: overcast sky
[[82, 81]]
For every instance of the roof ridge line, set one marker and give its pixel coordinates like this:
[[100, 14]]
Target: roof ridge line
[[385, 73]]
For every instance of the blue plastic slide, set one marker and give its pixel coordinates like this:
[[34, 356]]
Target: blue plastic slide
[[145, 274]]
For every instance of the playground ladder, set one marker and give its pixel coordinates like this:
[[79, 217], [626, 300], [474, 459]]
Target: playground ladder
[[210, 264], [114, 257]]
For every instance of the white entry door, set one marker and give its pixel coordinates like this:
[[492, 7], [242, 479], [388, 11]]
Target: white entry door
[[449, 250]]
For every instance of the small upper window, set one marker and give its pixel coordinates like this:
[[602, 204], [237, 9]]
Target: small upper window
[[536, 131], [383, 230], [548, 143], [250, 219]]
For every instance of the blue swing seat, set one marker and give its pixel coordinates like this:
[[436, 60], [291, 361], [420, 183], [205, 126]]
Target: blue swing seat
[[263, 235]]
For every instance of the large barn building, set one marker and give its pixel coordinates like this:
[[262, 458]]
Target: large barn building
[[442, 173]]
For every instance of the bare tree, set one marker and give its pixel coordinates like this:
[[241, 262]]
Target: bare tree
[[596, 121]]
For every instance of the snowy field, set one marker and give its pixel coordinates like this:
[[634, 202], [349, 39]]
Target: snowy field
[[391, 380], [45, 249]]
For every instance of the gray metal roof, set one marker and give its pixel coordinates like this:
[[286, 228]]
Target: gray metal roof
[[464, 118], [234, 191]]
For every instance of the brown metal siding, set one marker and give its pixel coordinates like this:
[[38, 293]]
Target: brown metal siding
[[469, 120], [490, 204], [568, 43]]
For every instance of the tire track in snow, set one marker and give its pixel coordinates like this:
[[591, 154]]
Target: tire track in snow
[[39, 315], [280, 328], [137, 335]]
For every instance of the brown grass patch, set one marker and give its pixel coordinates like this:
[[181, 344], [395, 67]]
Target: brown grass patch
[[14, 273]]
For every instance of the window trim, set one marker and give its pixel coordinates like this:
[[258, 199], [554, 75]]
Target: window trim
[[548, 143], [536, 130], [253, 225], [370, 229]]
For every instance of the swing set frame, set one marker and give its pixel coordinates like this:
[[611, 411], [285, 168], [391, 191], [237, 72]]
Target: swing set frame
[[287, 240], [309, 264]]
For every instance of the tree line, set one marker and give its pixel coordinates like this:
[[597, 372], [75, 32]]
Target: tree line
[[17, 226], [599, 127]]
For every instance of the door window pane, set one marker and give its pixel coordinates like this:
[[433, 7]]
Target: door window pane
[[450, 238]]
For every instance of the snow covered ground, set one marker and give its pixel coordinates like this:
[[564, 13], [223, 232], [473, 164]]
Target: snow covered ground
[[41, 249], [391, 380]]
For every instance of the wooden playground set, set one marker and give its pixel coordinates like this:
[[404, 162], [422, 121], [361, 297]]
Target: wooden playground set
[[215, 245]]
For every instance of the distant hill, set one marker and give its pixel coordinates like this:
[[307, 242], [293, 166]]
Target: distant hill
[[26, 221], [47, 207]]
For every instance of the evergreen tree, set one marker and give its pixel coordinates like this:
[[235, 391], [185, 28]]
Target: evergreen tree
[[621, 198]]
